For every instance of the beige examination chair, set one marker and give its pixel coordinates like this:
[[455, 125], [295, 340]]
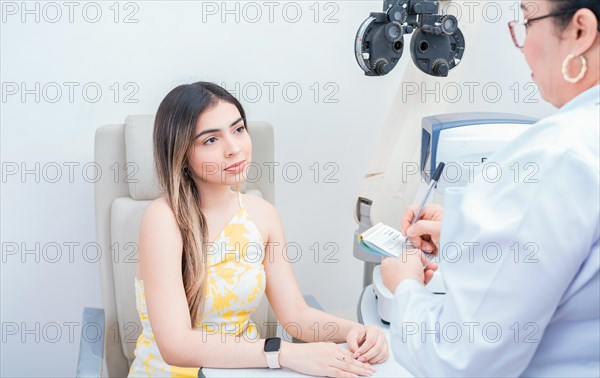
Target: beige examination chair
[[123, 152]]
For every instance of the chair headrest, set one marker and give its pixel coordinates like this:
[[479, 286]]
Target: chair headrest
[[139, 169]]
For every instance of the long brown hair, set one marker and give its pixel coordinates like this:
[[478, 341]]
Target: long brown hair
[[174, 129]]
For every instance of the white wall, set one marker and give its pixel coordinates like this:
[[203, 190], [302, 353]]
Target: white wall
[[171, 43]]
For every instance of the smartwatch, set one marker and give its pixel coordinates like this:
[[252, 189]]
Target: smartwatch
[[272, 346]]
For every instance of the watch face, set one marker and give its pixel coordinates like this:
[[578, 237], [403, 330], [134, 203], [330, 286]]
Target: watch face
[[272, 344]]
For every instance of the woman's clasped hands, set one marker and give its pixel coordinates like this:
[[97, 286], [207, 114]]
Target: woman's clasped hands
[[367, 345]]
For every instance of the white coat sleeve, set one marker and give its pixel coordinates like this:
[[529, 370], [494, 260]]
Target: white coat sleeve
[[508, 255]]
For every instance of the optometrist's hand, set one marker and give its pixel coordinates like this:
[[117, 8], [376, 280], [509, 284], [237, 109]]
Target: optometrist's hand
[[368, 344], [425, 233], [321, 359], [411, 264]]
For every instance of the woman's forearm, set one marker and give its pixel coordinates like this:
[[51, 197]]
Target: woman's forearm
[[312, 325], [213, 350]]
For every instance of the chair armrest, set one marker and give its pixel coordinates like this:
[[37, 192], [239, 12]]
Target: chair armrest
[[91, 345]]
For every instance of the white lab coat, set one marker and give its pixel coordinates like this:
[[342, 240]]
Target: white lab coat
[[520, 261]]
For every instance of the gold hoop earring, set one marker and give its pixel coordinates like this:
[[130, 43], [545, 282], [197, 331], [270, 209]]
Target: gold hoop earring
[[565, 69]]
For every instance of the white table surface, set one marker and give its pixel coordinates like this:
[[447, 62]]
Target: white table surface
[[368, 312]]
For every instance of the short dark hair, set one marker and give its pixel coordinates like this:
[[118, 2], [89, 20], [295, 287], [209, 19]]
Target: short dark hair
[[567, 8]]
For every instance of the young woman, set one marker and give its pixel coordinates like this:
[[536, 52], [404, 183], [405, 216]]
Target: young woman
[[208, 253]]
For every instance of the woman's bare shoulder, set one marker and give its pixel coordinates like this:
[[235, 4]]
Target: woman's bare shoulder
[[159, 233], [263, 213], [159, 217], [257, 205], [159, 208]]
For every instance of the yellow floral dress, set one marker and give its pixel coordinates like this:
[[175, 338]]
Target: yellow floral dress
[[234, 288]]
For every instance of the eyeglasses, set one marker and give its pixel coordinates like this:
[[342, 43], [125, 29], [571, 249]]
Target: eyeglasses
[[518, 29]]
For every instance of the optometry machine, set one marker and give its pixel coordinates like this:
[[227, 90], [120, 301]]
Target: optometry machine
[[437, 44]]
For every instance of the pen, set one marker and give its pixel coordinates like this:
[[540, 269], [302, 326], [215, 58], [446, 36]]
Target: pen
[[434, 180]]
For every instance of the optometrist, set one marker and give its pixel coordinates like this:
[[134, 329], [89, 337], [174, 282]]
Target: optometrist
[[520, 257]]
